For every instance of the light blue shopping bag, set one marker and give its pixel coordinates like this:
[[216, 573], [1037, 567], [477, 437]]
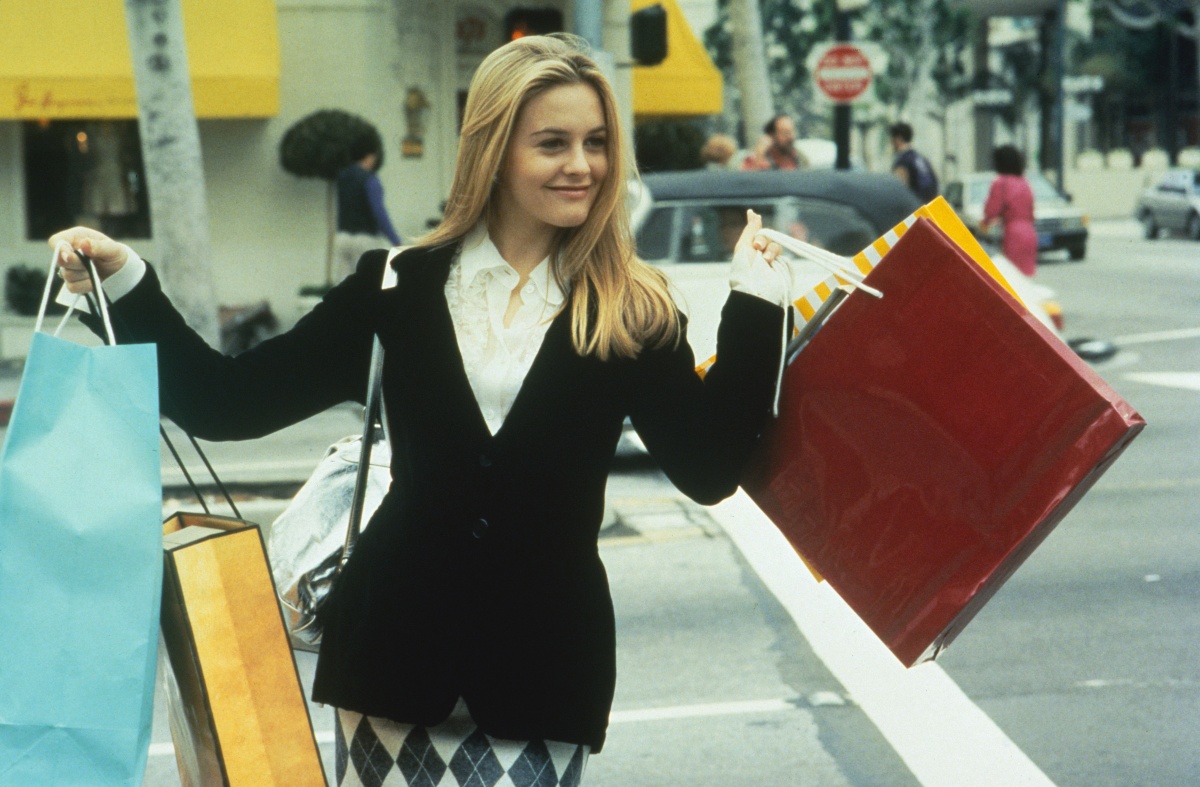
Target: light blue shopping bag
[[80, 566]]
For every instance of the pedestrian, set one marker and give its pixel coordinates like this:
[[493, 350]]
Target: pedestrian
[[776, 149], [717, 152], [1010, 204], [473, 623], [362, 217], [913, 169]]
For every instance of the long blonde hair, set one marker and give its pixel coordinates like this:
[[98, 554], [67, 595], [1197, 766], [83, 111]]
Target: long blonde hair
[[619, 304]]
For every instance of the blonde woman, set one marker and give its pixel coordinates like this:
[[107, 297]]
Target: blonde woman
[[472, 630]]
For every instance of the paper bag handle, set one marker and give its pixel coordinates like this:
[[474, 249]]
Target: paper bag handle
[[88, 266], [839, 266]]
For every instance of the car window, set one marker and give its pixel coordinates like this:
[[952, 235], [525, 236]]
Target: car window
[[654, 236], [708, 233], [1044, 192], [979, 191], [829, 225]]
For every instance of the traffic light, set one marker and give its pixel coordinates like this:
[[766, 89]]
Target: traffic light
[[521, 22], [648, 35]]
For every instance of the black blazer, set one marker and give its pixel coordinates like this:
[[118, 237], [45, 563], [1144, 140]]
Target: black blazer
[[479, 574]]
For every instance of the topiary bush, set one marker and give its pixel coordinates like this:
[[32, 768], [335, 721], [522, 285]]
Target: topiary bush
[[320, 144]]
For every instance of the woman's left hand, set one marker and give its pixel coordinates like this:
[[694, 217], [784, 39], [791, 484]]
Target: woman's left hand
[[750, 242]]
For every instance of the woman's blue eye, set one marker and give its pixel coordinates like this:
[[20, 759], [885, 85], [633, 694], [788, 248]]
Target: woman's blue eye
[[597, 142]]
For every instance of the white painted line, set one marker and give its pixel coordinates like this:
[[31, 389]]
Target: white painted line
[[1187, 380], [943, 737], [1157, 336], [704, 709]]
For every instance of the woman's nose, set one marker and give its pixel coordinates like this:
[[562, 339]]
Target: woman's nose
[[576, 162]]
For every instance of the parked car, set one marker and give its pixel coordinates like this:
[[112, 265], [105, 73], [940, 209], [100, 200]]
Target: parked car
[[1060, 225], [1172, 204], [687, 223]]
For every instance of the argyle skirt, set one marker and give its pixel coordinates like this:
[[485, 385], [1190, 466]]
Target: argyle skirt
[[379, 752]]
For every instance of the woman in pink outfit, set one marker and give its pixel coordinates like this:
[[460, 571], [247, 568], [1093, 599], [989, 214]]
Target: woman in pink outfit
[[1011, 201]]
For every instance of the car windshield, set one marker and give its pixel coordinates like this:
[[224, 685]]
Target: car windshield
[[1044, 192], [708, 231]]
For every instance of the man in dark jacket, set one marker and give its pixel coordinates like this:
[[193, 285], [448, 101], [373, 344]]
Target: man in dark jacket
[[913, 169]]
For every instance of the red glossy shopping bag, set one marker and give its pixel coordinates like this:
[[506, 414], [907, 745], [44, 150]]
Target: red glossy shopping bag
[[928, 441]]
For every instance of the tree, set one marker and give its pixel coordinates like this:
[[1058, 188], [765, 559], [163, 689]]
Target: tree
[[1147, 53], [921, 38], [319, 146], [789, 30], [170, 142], [745, 35]]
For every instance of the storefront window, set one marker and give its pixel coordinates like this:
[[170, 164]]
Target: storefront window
[[85, 172]]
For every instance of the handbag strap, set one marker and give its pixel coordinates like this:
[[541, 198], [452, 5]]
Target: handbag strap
[[373, 409]]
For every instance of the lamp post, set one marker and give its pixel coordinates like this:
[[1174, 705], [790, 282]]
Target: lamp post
[[842, 114]]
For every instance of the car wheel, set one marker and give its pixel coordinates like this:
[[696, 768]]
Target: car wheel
[[1077, 251], [1193, 226], [1149, 226]]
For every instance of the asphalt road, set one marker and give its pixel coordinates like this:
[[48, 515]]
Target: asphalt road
[[1087, 658]]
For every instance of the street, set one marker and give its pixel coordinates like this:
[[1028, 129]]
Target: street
[[1086, 658]]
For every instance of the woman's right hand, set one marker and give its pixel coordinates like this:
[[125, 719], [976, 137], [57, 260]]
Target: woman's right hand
[[108, 255]]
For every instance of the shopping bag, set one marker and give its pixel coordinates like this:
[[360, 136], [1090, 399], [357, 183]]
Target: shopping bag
[[929, 440], [80, 566], [236, 705]]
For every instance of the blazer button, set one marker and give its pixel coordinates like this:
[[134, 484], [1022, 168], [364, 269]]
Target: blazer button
[[480, 528], [485, 460]]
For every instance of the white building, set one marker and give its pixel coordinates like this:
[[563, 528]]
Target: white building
[[68, 147]]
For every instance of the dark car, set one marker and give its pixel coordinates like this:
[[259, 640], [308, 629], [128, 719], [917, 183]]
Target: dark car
[[692, 213]]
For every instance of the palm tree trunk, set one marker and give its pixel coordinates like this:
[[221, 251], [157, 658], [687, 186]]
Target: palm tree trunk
[[170, 143], [750, 66]]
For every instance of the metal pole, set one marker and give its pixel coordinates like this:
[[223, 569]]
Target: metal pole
[[1056, 111], [842, 115], [589, 21]]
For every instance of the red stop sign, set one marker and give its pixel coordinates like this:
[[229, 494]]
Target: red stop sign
[[843, 73]]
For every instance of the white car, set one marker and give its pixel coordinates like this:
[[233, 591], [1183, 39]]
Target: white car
[[686, 224], [1059, 224]]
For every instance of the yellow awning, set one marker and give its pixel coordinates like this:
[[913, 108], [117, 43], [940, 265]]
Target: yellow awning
[[686, 83], [70, 59]]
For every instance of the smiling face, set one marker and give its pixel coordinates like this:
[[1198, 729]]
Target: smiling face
[[557, 160]]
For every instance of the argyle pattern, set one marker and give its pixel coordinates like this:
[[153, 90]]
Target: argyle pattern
[[380, 753]]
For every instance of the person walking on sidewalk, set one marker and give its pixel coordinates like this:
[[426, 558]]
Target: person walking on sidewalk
[[363, 222], [472, 626], [913, 169], [1010, 204]]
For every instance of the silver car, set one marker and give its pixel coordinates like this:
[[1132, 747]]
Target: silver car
[[1172, 204]]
